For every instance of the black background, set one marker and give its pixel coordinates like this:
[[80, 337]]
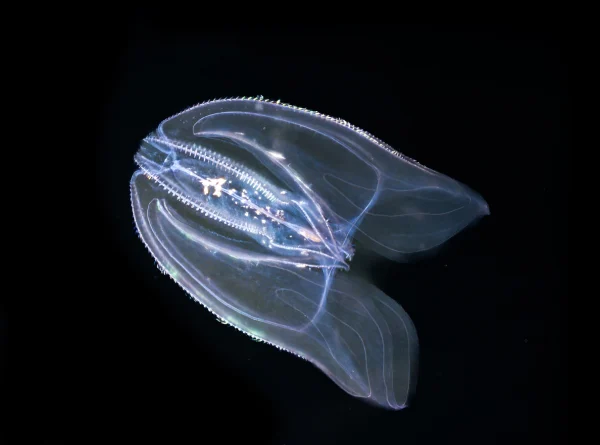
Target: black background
[[486, 105]]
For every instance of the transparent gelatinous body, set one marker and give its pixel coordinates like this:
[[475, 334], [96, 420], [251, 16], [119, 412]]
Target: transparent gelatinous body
[[252, 207]]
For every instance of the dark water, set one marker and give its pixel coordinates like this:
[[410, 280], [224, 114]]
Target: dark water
[[489, 107]]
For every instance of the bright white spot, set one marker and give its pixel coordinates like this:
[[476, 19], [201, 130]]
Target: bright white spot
[[276, 155], [213, 182]]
